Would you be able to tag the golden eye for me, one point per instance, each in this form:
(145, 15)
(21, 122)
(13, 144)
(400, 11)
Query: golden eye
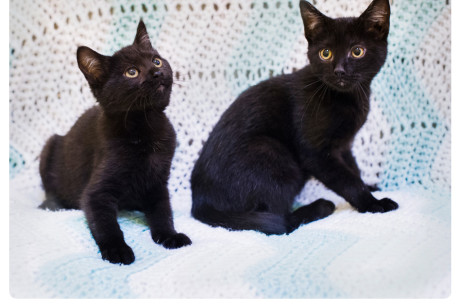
(357, 52)
(157, 62)
(325, 54)
(131, 73)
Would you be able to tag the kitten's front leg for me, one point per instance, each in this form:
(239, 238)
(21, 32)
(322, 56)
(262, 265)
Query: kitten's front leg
(350, 161)
(157, 209)
(100, 207)
(337, 176)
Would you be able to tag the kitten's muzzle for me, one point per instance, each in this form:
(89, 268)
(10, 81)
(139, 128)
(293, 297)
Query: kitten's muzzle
(340, 81)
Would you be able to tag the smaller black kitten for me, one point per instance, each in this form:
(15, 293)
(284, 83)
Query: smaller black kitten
(118, 154)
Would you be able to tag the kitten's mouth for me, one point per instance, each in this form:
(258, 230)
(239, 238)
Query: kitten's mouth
(341, 85)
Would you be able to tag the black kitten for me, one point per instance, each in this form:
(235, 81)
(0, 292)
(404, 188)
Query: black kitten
(283, 131)
(118, 154)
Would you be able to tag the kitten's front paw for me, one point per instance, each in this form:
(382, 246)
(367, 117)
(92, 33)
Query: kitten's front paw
(171, 241)
(379, 206)
(120, 254)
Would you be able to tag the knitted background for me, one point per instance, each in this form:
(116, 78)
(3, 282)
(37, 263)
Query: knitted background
(217, 49)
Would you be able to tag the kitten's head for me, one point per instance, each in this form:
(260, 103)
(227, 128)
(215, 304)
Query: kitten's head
(134, 78)
(346, 52)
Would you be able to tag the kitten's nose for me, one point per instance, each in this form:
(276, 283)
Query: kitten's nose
(157, 74)
(339, 71)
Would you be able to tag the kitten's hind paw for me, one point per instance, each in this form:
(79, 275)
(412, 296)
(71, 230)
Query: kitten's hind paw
(51, 204)
(121, 254)
(379, 206)
(373, 188)
(171, 241)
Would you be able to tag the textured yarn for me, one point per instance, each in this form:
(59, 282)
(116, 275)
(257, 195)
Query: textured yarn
(217, 49)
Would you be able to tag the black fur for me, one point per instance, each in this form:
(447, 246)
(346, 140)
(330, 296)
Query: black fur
(285, 130)
(118, 154)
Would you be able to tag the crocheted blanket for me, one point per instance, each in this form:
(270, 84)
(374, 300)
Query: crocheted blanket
(217, 49)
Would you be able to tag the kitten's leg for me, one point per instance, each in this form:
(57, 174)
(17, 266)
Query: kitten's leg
(350, 160)
(157, 209)
(100, 207)
(47, 160)
(50, 175)
(336, 175)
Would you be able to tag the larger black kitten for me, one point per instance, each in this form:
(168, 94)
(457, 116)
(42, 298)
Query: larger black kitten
(283, 131)
(118, 154)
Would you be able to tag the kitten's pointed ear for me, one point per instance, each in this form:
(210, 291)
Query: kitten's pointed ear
(142, 37)
(312, 19)
(92, 64)
(376, 18)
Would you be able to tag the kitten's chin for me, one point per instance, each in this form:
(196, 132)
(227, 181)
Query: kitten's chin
(341, 85)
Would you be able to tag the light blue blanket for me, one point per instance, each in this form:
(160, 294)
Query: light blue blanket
(218, 50)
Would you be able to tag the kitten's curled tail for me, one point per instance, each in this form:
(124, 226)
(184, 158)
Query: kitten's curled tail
(265, 222)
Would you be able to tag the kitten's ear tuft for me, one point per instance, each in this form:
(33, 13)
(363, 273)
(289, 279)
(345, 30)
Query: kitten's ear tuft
(142, 37)
(92, 64)
(376, 18)
(312, 19)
